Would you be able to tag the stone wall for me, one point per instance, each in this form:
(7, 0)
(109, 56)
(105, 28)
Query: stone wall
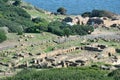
(59, 51)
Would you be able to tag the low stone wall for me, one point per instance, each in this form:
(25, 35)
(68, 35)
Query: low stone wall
(95, 47)
(60, 51)
(92, 48)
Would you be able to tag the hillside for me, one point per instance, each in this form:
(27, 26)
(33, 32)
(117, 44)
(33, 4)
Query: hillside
(14, 17)
(37, 12)
(36, 44)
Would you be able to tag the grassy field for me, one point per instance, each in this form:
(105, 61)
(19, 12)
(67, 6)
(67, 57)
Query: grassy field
(35, 12)
(82, 73)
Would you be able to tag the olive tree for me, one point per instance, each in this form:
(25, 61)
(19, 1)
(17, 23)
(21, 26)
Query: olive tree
(61, 10)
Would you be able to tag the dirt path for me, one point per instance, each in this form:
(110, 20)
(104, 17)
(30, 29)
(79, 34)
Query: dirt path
(7, 45)
(3, 74)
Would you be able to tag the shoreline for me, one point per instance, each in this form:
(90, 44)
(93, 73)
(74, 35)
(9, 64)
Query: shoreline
(116, 15)
(79, 12)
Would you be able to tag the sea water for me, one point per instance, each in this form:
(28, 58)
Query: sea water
(77, 6)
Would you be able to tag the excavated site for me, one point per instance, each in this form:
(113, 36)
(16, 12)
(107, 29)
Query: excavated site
(57, 52)
(101, 48)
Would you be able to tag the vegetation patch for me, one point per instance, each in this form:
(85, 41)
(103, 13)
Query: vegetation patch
(3, 36)
(85, 73)
(98, 13)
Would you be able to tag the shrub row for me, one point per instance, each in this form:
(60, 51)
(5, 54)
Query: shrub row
(62, 74)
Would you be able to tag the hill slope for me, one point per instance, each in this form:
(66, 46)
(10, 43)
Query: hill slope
(13, 16)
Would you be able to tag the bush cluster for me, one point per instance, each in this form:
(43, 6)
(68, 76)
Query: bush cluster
(19, 21)
(61, 10)
(3, 36)
(63, 29)
(62, 74)
(115, 74)
(98, 13)
(14, 17)
(59, 28)
(39, 25)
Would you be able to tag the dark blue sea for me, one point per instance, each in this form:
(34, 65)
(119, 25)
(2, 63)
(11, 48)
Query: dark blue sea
(77, 6)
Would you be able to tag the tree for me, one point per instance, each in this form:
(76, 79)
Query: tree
(86, 14)
(17, 3)
(61, 10)
(41, 24)
(3, 36)
(20, 30)
(82, 29)
(68, 19)
(99, 13)
(67, 32)
(54, 27)
(37, 20)
(33, 29)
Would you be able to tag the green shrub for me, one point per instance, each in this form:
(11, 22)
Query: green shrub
(13, 27)
(63, 29)
(33, 30)
(13, 17)
(68, 19)
(17, 3)
(37, 20)
(115, 74)
(42, 24)
(82, 29)
(61, 10)
(86, 14)
(98, 13)
(62, 74)
(67, 32)
(55, 27)
(3, 36)
(39, 25)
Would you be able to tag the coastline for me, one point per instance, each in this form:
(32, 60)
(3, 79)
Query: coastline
(77, 7)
